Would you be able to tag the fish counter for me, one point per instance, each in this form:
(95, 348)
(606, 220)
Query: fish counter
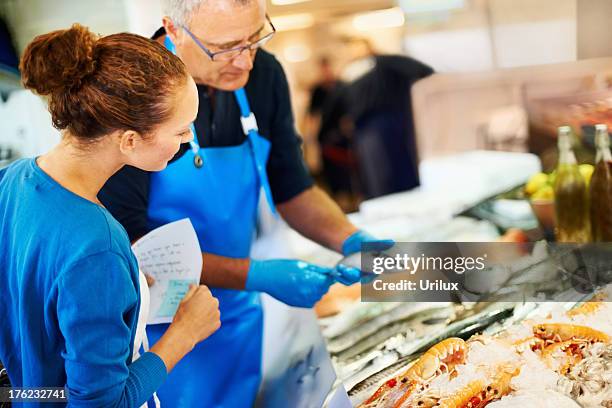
(465, 353)
(474, 355)
(468, 354)
(498, 353)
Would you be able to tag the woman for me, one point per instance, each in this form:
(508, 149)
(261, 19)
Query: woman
(70, 283)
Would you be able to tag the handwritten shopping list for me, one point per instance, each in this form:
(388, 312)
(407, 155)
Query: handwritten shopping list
(171, 255)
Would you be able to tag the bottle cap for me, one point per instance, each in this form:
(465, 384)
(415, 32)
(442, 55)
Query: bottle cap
(602, 138)
(564, 138)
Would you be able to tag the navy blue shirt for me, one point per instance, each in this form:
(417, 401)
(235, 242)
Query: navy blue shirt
(218, 124)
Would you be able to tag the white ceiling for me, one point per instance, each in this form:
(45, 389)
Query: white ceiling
(326, 10)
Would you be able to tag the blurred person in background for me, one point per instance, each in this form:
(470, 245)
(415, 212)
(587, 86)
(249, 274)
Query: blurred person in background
(245, 142)
(325, 86)
(74, 303)
(330, 135)
(379, 103)
(320, 92)
(339, 164)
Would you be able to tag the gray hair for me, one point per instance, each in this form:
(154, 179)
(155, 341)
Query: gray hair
(180, 11)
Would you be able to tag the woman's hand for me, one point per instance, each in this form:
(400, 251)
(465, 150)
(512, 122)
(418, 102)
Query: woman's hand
(196, 319)
(198, 314)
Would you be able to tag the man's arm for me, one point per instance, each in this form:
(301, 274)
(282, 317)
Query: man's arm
(316, 216)
(223, 272)
(312, 213)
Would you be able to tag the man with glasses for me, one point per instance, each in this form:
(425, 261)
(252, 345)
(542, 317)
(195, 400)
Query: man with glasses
(244, 143)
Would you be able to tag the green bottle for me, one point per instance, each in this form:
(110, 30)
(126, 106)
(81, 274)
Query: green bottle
(572, 217)
(601, 188)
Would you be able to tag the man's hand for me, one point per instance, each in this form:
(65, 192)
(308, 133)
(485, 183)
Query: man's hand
(353, 243)
(296, 283)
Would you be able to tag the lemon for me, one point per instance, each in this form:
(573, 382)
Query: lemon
(544, 193)
(535, 183)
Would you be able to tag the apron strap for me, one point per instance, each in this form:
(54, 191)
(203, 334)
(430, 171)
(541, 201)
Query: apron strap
(249, 123)
(249, 127)
(169, 44)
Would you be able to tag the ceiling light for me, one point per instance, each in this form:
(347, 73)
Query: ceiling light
(287, 2)
(296, 53)
(393, 17)
(293, 21)
(429, 6)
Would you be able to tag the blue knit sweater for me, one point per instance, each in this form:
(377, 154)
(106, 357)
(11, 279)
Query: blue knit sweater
(69, 295)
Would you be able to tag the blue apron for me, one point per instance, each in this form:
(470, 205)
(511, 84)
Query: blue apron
(221, 199)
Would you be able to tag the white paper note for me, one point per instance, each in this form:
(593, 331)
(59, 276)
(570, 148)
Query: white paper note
(171, 255)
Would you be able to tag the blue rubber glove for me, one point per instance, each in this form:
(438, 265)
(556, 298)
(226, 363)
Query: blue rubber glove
(353, 243)
(293, 282)
(346, 275)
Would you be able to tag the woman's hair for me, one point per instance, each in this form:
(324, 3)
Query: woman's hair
(98, 85)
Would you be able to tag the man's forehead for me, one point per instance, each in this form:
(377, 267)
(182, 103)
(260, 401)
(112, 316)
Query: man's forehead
(228, 5)
(224, 21)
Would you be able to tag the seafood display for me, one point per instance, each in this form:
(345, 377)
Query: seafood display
(441, 358)
(522, 331)
(511, 361)
(389, 342)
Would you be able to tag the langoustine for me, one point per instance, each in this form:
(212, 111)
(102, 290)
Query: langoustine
(559, 332)
(477, 393)
(562, 356)
(441, 358)
(565, 342)
(529, 343)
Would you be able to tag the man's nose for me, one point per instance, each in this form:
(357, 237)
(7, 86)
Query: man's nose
(244, 60)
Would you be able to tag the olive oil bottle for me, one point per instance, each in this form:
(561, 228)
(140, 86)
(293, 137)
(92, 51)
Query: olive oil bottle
(571, 195)
(601, 188)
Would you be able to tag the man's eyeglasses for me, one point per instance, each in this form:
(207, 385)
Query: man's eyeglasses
(227, 55)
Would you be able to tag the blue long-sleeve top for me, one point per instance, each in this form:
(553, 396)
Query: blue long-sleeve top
(70, 295)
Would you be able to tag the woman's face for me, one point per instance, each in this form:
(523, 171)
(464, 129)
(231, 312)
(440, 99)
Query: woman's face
(154, 153)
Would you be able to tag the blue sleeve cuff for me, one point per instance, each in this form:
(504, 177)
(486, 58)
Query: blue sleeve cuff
(254, 276)
(155, 365)
(352, 244)
(147, 373)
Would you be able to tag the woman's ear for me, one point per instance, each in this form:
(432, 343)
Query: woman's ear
(128, 141)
